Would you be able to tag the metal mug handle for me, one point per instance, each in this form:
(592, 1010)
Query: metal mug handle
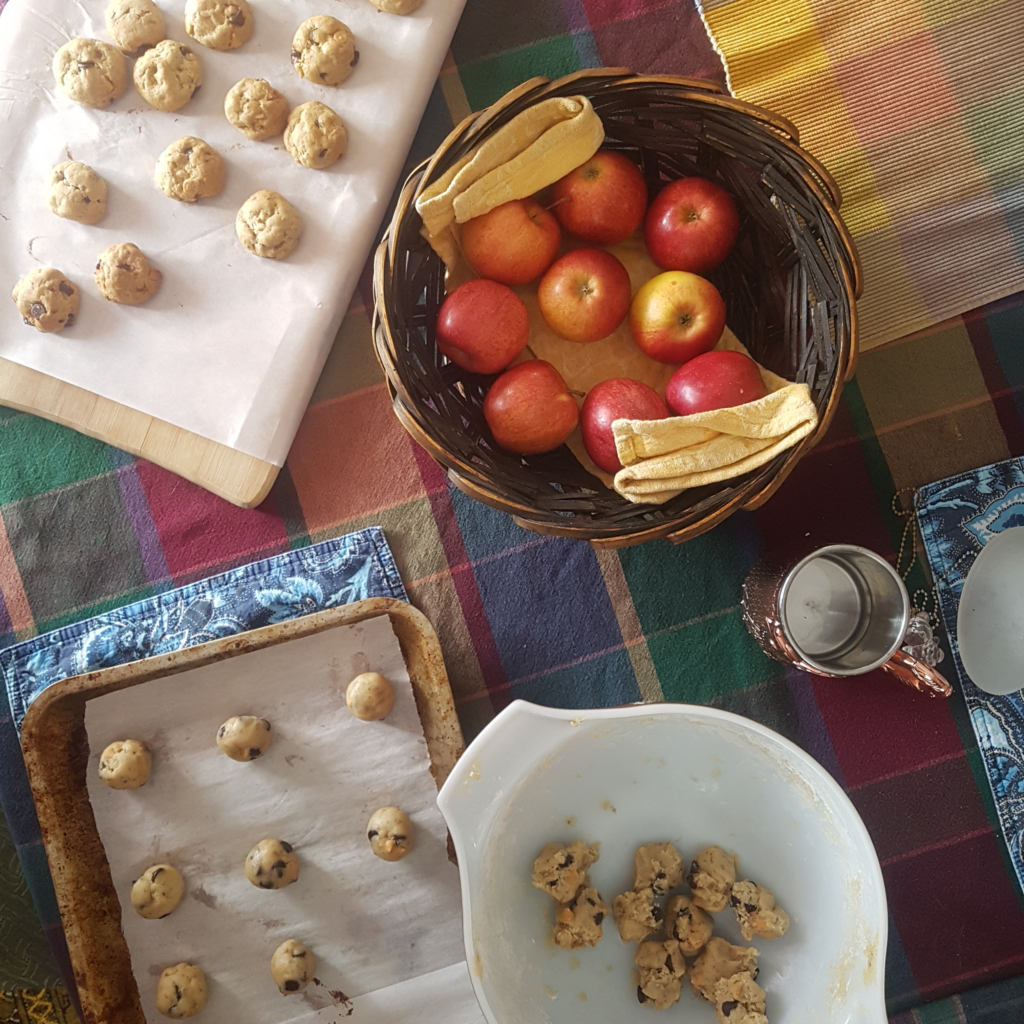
(917, 674)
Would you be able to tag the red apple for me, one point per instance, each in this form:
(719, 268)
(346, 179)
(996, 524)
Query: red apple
(584, 295)
(676, 316)
(715, 380)
(603, 200)
(514, 243)
(482, 326)
(611, 400)
(529, 409)
(691, 225)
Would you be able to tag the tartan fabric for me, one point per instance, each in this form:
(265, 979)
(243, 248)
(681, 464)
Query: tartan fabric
(915, 108)
(84, 529)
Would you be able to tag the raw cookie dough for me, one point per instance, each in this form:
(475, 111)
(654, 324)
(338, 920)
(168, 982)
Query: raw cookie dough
(244, 737)
(168, 75)
(578, 922)
(687, 923)
(756, 912)
(219, 24)
(256, 109)
(720, 959)
(268, 225)
(661, 966)
(636, 915)
(315, 136)
(292, 966)
(126, 764)
(47, 301)
(658, 866)
(370, 697)
(181, 991)
(77, 193)
(135, 23)
(123, 275)
(390, 833)
(396, 6)
(561, 870)
(90, 72)
(271, 864)
(711, 877)
(190, 169)
(739, 1000)
(157, 891)
(324, 50)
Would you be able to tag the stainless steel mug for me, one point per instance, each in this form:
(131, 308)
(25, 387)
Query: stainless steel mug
(840, 611)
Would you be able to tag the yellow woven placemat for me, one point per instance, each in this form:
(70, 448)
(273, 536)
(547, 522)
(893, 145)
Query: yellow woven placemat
(37, 1006)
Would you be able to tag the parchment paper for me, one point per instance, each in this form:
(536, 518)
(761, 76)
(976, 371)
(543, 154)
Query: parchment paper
(231, 346)
(387, 935)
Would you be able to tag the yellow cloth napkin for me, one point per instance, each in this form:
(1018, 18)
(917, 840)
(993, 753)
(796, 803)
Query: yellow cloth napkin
(661, 458)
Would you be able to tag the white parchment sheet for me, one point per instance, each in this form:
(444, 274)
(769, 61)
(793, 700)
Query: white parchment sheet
(387, 935)
(232, 345)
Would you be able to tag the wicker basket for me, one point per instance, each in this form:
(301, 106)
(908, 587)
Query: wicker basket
(789, 286)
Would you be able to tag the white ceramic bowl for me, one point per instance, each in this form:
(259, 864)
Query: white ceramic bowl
(626, 776)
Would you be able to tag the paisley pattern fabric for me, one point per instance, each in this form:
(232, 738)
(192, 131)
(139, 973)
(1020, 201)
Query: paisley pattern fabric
(958, 516)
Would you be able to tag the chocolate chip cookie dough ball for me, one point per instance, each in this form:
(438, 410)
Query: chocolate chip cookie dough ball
(168, 75)
(256, 109)
(76, 192)
(190, 169)
(756, 912)
(268, 225)
(315, 136)
(658, 866)
(126, 764)
(123, 275)
(661, 968)
(390, 832)
(292, 966)
(637, 915)
(133, 24)
(157, 891)
(90, 72)
(720, 959)
(271, 864)
(560, 870)
(244, 737)
(181, 991)
(687, 923)
(219, 24)
(46, 300)
(396, 6)
(370, 697)
(578, 923)
(324, 50)
(711, 877)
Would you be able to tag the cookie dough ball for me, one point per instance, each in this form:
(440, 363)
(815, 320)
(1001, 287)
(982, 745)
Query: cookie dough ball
(661, 967)
(391, 833)
(123, 275)
(578, 922)
(711, 877)
(272, 864)
(292, 966)
(396, 6)
(77, 193)
(181, 991)
(256, 109)
(268, 225)
(47, 301)
(133, 24)
(690, 925)
(636, 915)
(157, 891)
(658, 866)
(90, 72)
(561, 870)
(244, 737)
(324, 50)
(168, 75)
(370, 697)
(126, 764)
(739, 1000)
(720, 959)
(219, 24)
(315, 136)
(190, 169)
(756, 911)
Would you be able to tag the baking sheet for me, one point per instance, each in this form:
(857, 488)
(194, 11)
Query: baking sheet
(385, 935)
(231, 346)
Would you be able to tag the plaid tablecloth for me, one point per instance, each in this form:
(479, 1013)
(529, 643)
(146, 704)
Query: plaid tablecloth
(84, 528)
